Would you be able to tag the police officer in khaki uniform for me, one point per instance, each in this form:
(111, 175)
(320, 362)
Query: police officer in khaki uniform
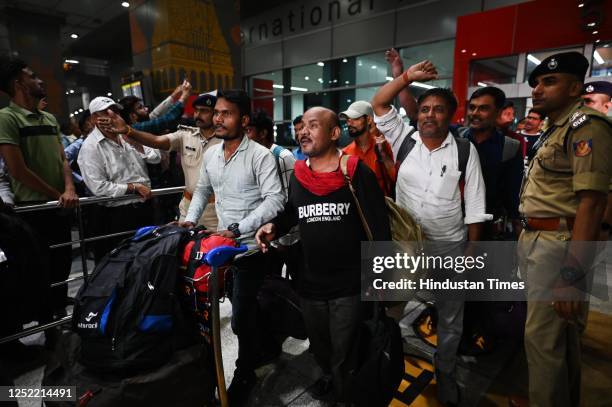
(598, 95)
(190, 142)
(563, 199)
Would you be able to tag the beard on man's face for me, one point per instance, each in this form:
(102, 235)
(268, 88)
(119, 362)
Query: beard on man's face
(355, 132)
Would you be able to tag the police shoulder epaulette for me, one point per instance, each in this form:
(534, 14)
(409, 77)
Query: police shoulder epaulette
(578, 119)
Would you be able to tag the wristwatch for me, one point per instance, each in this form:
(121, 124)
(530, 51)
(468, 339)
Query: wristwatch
(571, 274)
(234, 229)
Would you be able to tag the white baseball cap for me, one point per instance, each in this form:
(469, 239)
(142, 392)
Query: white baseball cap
(102, 103)
(358, 109)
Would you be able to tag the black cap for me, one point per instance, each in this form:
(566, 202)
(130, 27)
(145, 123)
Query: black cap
(598, 87)
(205, 99)
(573, 63)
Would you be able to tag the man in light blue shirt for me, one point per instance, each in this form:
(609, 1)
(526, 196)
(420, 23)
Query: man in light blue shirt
(248, 193)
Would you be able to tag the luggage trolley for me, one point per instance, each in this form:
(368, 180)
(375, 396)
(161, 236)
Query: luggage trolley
(216, 258)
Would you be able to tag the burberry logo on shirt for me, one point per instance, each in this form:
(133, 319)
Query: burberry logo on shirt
(323, 212)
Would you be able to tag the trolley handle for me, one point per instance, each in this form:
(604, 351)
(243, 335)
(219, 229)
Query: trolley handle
(223, 254)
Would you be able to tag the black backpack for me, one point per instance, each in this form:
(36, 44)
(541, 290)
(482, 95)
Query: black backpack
(376, 361)
(128, 314)
(186, 380)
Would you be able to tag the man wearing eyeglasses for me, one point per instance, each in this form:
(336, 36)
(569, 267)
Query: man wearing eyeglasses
(531, 132)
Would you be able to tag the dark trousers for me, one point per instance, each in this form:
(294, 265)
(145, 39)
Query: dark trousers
(332, 326)
(115, 219)
(291, 256)
(249, 273)
(52, 227)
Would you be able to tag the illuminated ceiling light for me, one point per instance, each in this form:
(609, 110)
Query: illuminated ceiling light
(335, 80)
(359, 63)
(388, 78)
(598, 58)
(320, 80)
(306, 78)
(274, 127)
(533, 59)
(74, 36)
(299, 89)
(278, 86)
(344, 60)
(591, 24)
(81, 110)
(595, 32)
(348, 100)
(482, 84)
(125, 4)
(580, 5)
(71, 114)
(473, 54)
(320, 64)
(422, 85)
(463, 51)
(274, 99)
(346, 82)
(597, 41)
(373, 66)
(71, 91)
(71, 61)
(67, 93)
(109, 94)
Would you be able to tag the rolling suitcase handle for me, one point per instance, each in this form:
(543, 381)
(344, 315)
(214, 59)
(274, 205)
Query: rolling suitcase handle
(215, 258)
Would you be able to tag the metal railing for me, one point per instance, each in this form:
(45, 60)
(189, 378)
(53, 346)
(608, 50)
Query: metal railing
(82, 241)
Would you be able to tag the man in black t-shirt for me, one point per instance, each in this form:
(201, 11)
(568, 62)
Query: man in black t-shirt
(321, 203)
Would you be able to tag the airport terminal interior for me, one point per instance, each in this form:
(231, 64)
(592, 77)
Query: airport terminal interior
(194, 195)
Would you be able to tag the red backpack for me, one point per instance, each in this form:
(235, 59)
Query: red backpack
(194, 252)
(196, 275)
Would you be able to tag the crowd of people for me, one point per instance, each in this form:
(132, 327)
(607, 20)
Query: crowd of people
(484, 181)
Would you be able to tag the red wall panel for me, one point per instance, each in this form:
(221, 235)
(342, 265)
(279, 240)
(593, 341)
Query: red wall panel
(525, 27)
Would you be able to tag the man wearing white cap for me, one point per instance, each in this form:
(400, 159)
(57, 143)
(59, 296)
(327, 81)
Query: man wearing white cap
(370, 145)
(112, 165)
(189, 142)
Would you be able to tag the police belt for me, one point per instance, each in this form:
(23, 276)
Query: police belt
(189, 196)
(546, 224)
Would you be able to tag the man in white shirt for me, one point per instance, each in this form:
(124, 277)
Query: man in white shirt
(112, 165)
(428, 186)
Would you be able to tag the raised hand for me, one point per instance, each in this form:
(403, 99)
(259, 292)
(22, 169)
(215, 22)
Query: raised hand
(423, 71)
(395, 60)
(185, 91)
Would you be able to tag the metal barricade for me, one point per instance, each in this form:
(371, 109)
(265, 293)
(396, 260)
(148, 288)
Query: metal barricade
(82, 241)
